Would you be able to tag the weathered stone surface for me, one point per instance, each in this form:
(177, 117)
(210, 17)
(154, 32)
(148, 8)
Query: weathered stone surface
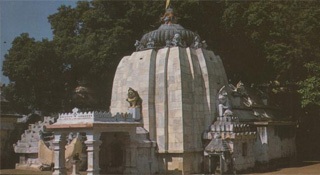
(176, 86)
(136, 71)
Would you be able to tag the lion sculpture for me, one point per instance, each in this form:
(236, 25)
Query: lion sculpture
(134, 99)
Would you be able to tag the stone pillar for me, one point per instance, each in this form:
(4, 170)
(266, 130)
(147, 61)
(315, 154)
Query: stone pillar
(131, 158)
(221, 164)
(75, 167)
(59, 144)
(210, 165)
(93, 143)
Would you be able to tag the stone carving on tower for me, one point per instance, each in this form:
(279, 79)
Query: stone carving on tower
(177, 41)
(197, 42)
(204, 44)
(150, 43)
(241, 94)
(138, 45)
(223, 102)
(241, 89)
(134, 99)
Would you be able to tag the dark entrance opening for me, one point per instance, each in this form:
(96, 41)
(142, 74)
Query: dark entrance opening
(214, 164)
(112, 153)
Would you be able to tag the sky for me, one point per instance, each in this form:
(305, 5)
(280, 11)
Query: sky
(26, 16)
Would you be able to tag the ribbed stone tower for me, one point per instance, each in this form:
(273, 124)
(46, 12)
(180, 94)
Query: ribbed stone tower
(178, 80)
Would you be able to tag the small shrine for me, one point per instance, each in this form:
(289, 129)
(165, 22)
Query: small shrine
(92, 125)
(247, 131)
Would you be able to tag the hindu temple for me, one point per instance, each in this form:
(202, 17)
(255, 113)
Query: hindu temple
(173, 111)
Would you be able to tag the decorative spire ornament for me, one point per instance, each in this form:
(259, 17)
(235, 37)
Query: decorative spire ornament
(167, 4)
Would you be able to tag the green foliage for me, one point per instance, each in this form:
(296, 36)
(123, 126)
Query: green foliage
(35, 72)
(310, 87)
(286, 32)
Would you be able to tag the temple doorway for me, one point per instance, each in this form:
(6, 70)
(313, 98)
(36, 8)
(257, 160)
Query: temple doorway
(112, 152)
(214, 166)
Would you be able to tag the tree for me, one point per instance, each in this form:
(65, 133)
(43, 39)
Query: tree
(285, 32)
(35, 75)
(310, 87)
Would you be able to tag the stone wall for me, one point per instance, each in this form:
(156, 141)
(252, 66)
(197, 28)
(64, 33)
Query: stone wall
(261, 145)
(244, 156)
(146, 153)
(270, 144)
(185, 163)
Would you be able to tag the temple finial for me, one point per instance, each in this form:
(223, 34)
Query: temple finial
(167, 4)
(168, 17)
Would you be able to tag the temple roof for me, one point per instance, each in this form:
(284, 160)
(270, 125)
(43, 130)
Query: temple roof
(169, 34)
(166, 32)
(217, 145)
(250, 104)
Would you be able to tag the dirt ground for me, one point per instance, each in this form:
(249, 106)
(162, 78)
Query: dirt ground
(309, 168)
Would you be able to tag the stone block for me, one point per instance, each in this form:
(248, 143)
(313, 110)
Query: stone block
(136, 113)
(176, 137)
(161, 142)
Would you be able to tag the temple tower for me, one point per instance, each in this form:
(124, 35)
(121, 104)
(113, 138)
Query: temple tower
(177, 79)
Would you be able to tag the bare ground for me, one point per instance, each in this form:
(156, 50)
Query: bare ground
(308, 168)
